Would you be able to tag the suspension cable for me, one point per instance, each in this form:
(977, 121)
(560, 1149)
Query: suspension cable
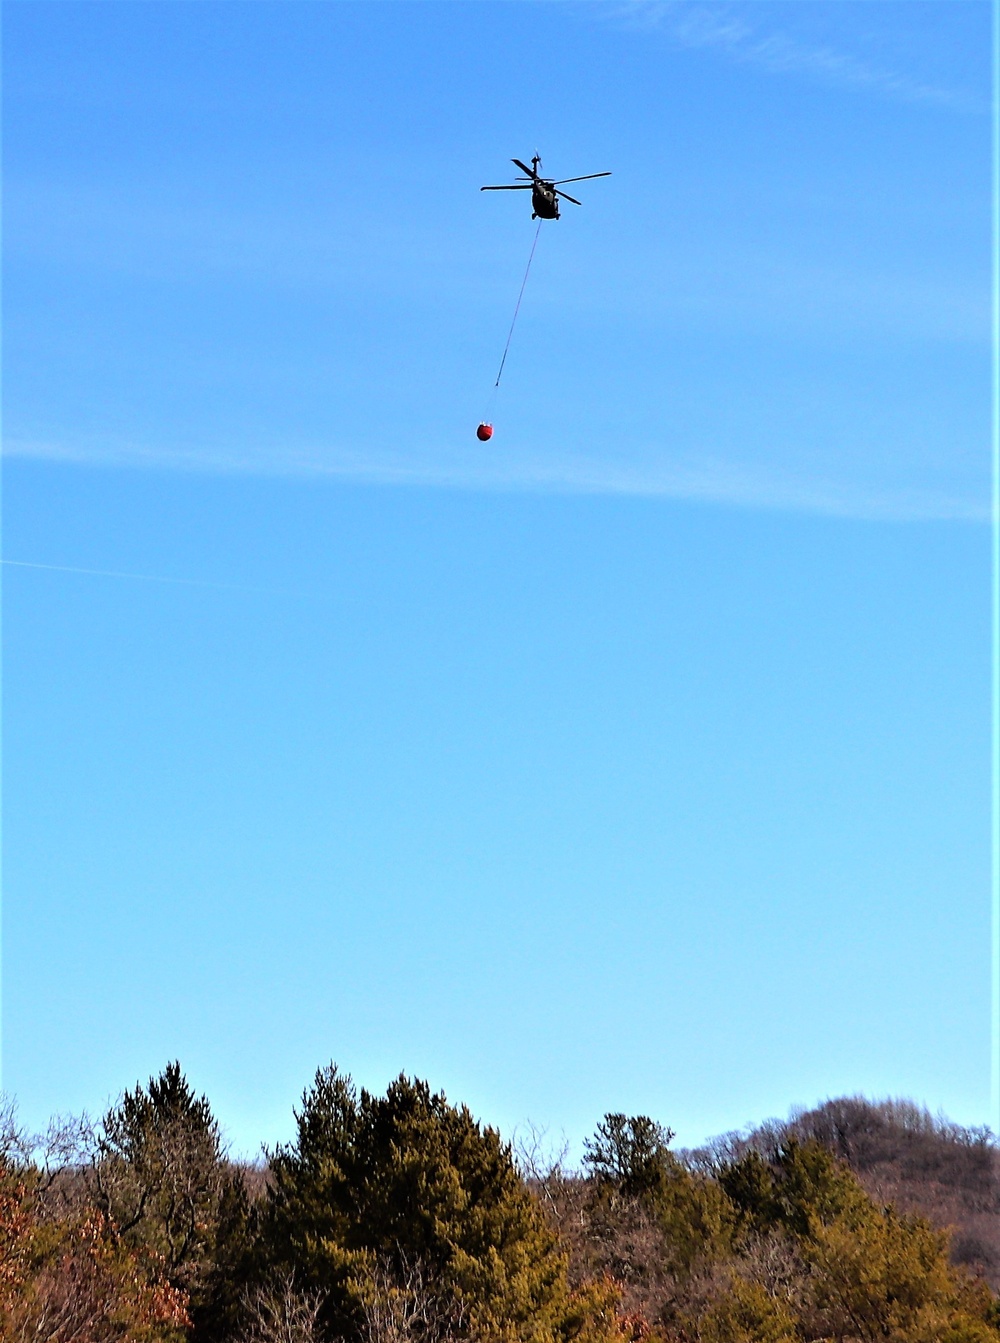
(517, 307)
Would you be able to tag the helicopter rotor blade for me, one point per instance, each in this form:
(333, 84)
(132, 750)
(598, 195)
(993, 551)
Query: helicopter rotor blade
(580, 179)
(524, 168)
(520, 186)
(569, 198)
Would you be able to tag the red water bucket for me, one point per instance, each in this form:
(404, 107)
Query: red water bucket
(484, 432)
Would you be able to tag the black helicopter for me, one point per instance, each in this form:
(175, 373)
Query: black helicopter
(544, 196)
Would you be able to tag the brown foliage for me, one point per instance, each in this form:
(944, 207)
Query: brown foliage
(70, 1280)
(903, 1156)
(829, 1228)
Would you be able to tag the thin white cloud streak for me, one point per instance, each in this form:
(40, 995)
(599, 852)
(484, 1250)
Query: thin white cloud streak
(707, 479)
(146, 578)
(779, 52)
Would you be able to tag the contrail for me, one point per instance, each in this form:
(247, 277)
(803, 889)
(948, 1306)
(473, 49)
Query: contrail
(147, 578)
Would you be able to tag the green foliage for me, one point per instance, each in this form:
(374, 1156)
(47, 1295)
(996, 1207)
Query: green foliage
(629, 1153)
(868, 1273)
(694, 1217)
(217, 1311)
(400, 1219)
(376, 1189)
(878, 1275)
(595, 1315)
(159, 1175)
(801, 1187)
(748, 1314)
(633, 1171)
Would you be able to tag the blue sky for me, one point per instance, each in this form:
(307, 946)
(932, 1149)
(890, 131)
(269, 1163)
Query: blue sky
(638, 759)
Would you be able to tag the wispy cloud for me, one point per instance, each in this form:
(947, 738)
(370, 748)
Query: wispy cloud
(709, 478)
(170, 579)
(742, 35)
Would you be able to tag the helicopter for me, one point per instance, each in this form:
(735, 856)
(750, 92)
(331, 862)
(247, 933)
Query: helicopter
(544, 196)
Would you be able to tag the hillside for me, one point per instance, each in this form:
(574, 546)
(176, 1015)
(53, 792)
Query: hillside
(907, 1157)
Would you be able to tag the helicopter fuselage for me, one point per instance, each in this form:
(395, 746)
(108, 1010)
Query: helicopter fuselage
(545, 191)
(544, 201)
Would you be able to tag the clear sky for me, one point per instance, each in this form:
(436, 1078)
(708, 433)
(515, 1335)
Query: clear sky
(638, 759)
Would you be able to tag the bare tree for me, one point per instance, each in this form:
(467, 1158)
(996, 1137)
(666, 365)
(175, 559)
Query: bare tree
(282, 1312)
(542, 1164)
(405, 1306)
(63, 1157)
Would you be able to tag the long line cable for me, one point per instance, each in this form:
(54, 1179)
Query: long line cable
(517, 308)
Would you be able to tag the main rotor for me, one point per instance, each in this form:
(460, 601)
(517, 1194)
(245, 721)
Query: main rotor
(533, 179)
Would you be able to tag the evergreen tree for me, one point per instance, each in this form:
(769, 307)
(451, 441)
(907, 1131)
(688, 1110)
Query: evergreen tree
(866, 1273)
(630, 1154)
(159, 1175)
(802, 1186)
(875, 1274)
(635, 1178)
(747, 1313)
(377, 1191)
(229, 1272)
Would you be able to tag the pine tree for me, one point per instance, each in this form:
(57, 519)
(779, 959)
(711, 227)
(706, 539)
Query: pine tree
(406, 1193)
(159, 1174)
(635, 1178)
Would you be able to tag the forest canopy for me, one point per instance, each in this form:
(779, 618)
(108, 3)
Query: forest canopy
(400, 1218)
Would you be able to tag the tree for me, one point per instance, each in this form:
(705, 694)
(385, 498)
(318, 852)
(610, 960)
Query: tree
(878, 1275)
(802, 1186)
(228, 1275)
(376, 1188)
(69, 1279)
(654, 1221)
(159, 1174)
(630, 1154)
(747, 1313)
(865, 1273)
(278, 1312)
